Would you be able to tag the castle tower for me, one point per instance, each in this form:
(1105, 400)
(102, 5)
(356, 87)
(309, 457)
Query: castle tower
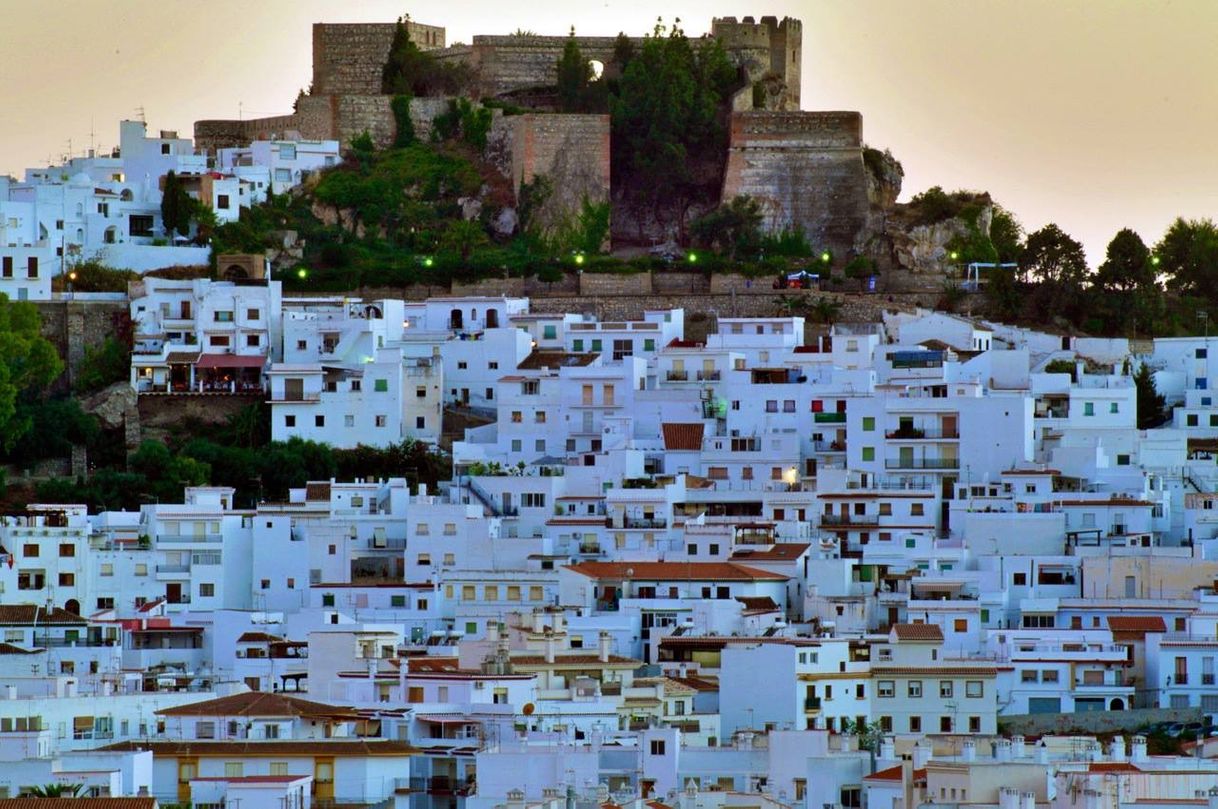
(768, 48)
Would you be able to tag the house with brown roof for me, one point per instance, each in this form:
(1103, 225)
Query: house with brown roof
(259, 715)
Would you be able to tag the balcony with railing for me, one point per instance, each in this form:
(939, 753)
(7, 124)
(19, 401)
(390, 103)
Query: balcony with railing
(811, 704)
(709, 376)
(922, 463)
(920, 434)
(188, 538)
(677, 376)
(847, 520)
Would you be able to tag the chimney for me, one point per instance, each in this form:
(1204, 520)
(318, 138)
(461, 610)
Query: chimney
(539, 620)
(1212, 798)
(1008, 798)
(682, 671)
(1027, 800)
(888, 749)
(1018, 748)
(1138, 749)
(603, 642)
(515, 799)
(921, 754)
(1042, 753)
(1002, 751)
(551, 646)
(559, 622)
(969, 750)
(492, 632)
(1117, 749)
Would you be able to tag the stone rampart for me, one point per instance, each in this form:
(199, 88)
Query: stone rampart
(348, 58)
(225, 134)
(572, 151)
(806, 169)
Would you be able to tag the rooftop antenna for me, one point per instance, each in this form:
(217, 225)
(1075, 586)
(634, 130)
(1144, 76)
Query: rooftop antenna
(239, 111)
(140, 112)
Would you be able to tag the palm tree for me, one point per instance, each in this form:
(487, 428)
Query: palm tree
(56, 791)
(825, 309)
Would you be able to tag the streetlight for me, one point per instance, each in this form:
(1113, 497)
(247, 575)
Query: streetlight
(579, 259)
(302, 273)
(826, 257)
(693, 258)
(71, 278)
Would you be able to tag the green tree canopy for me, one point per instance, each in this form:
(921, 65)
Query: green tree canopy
(411, 70)
(28, 363)
(1150, 401)
(574, 76)
(733, 228)
(1188, 256)
(1052, 255)
(1126, 266)
(1006, 234)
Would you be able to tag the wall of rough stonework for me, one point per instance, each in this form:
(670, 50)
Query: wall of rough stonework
(805, 168)
(224, 134)
(72, 326)
(572, 151)
(348, 57)
(592, 283)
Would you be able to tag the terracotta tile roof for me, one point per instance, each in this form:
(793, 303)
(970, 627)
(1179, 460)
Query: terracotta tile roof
(554, 359)
(683, 435)
(568, 660)
(672, 686)
(945, 670)
(698, 683)
(890, 774)
(674, 571)
(1136, 623)
(258, 637)
(757, 603)
(782, 552)
(255, 779)
(317, 491)
(918, 632)
(1112, 766)
(10, 649)
(291, 747)
(31, 614)
(77, 803)
(149, 606)
(257, 703)
(429, 663)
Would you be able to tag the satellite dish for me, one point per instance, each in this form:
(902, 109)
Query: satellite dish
(528, 709)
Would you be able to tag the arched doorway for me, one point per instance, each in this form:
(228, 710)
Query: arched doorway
(235, 272)
(1117, 704)
(455, 319)
(372, 312)
(492, 318)
(72, 606)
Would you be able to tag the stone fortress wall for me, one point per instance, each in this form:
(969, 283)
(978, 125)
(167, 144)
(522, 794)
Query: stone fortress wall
(806, 168)
(777, 157)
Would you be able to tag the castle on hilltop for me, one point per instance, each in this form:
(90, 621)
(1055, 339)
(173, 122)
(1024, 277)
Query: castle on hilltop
(806, 168)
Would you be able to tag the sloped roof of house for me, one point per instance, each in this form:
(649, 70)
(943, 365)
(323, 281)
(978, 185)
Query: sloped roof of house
(77, 803)
(1137, 623)
(555, 359)
(317, 491)
(918, 632)
(890, 774)
(757, 604)
(782, 552)
(10, 649)
(31, 614)
(680, 435)
(258, 637)
(290, 747)
(674, 571)
(259, 703)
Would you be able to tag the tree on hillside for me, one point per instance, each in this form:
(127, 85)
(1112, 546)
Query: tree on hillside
(410, 70)
(574, 76)
(56, 791)
(1150, 401)
(666, 115)
(1127, 282)
(1006, 234)
(177, 207)
(1051, 255)
(28, 363)
(733, 228)
(1188, 256)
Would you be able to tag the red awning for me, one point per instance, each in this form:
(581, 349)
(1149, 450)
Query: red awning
(231, 361)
